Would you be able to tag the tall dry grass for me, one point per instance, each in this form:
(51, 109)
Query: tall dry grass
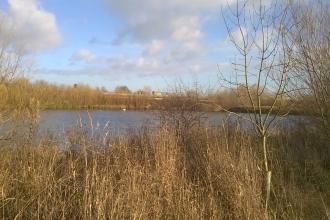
(211, 173)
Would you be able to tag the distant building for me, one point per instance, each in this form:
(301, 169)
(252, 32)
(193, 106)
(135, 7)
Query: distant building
(154, 93)
(159, 94)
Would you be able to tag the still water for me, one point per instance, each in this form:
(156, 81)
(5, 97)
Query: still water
(60, 123)
(120, 122)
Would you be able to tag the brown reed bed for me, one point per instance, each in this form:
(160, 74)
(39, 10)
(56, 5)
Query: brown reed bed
(201, 173)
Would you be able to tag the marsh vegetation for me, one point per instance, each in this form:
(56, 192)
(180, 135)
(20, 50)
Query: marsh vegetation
(187, 168)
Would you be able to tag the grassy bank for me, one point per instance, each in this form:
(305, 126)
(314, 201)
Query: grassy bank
(195, 173)
(158, 106)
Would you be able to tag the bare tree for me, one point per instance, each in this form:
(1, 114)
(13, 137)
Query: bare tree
(122, 89)
(181, 108)
(147, 90)
(310, 34)
(257, 32)
(10, 55)
(10, 63)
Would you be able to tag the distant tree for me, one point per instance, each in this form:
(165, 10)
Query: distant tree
(103, 89)
(122, 89)
(10, 59)
(147, 90)
(10, 63)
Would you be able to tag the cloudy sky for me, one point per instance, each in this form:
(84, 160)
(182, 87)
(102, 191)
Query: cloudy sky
(127, 42)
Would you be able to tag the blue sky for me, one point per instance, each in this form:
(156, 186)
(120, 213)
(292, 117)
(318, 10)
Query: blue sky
(127, 42)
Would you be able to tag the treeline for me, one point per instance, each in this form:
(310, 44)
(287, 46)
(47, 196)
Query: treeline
(51, 96)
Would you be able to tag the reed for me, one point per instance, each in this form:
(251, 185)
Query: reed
(209, 173)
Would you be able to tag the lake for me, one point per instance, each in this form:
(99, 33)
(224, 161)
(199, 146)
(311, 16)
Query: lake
(59, 121)
(118, 122)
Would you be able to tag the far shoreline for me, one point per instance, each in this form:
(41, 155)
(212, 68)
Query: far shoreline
(130, 109)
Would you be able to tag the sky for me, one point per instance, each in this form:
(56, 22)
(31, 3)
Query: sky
(106, 43)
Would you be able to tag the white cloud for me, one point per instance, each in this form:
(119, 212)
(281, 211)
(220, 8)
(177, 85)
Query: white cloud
(83, 55)
(170, 31)
(186, 29)
(157, 19)
(154, 48)
(29, 27)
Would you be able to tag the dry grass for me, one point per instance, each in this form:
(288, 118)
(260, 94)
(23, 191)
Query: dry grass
(210, 174)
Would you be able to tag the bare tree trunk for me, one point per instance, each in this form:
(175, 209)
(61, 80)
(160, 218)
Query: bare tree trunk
(268, 172)
(264, 147)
